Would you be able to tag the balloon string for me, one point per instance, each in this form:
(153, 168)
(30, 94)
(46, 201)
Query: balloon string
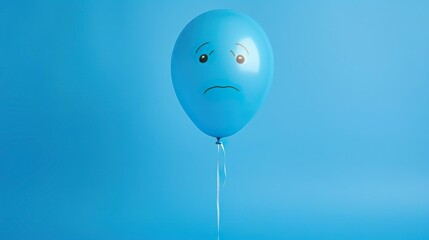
(218, 193)
(224, 163)
(218, 169)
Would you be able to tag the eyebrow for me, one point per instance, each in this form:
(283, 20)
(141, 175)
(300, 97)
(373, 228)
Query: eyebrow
(243, 47)
(201, 46)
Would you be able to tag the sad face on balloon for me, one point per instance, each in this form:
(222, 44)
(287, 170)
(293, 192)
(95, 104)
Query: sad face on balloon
(222, 67)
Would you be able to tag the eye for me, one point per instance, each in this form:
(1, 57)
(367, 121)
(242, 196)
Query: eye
(240, 59)
(204, 58)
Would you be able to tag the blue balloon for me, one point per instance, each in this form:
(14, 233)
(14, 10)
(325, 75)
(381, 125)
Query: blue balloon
(222, 67)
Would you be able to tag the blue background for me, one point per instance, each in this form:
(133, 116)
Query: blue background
(95, 145)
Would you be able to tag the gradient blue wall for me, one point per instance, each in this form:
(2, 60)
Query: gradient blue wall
(94, 144)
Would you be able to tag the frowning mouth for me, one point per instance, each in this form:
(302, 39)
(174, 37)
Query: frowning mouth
(210, 88)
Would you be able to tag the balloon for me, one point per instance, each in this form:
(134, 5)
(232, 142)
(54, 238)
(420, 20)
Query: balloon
(221, 67)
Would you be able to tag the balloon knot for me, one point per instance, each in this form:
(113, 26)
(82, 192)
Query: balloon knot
(218, 141)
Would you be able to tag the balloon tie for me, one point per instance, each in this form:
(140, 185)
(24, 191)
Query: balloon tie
(218, 169)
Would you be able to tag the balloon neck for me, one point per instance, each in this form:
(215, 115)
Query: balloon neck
(218, 141)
